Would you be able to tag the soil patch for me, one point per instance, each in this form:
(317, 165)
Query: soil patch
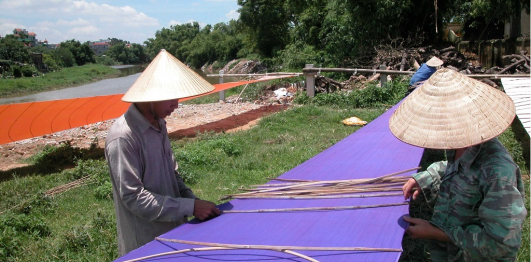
(186, 121)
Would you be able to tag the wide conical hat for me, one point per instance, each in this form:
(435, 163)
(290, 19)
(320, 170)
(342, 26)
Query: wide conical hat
(450, 111)
(434, 62)
(166, 78)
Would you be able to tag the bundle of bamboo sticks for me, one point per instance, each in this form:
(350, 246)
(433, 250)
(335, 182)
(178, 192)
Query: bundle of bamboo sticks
(385, 185)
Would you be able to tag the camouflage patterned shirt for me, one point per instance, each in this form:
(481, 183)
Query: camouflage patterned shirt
(479, 204)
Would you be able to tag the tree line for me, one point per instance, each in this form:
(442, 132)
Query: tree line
(288, 34)
(330, 33)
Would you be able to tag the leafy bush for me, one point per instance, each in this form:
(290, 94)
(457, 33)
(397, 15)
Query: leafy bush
(372, 96)
(52, 158)
(9, 244)
(104, 191)
(22, 224)
(77, 238)
(38, 204)
(105, 60)
(17, 72)
(27, 70)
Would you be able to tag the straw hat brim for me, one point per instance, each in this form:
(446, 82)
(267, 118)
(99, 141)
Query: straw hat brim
(166, 78)
(434, 62)
(451, 111)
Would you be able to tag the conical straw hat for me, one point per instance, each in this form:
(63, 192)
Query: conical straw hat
(451, 111)
(166, 78)
(434, 62)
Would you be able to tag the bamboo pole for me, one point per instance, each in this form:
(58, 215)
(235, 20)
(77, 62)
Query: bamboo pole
(311, 208)
(269, 247)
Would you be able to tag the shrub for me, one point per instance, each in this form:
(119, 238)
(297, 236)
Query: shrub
(372, 96)
(52, 158)
(22, 224)
(17, 72)
(27, 71)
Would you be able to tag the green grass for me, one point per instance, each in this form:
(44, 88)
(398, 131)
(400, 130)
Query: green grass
(79, 224)
(66, 77)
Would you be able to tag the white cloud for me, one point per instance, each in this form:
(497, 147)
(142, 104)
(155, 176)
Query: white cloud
(77, 22)
(94, 20)
(233, 14)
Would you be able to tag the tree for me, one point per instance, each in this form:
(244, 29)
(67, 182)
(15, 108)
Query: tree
(12, 49)
(63, 57)
(266, 25)
(82, 53)
(485, 19)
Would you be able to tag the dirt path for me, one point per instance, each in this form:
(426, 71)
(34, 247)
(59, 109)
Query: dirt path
(184, 122)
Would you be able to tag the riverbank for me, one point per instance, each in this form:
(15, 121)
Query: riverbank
(66, 77)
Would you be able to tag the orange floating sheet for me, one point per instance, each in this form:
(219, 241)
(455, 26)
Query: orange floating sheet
(26, 120)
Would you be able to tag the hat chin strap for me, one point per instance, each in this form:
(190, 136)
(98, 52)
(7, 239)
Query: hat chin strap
(155, 116)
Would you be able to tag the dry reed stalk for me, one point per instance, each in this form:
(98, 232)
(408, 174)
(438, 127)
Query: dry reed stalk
(357, 181)
(319, 196)
(268, 247)
(387, 179)
(315, 192)
(63, 188)
(305, 190)
(312, 208)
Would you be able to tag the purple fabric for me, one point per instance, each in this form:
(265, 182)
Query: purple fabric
(371, 151)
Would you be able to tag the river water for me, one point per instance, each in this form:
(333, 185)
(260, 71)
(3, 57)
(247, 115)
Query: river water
(119, 85)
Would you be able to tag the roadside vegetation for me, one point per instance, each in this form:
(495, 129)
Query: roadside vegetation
(63, 78)
(40, 224)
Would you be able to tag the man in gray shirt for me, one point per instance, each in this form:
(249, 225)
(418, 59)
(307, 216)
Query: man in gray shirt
(150, 197)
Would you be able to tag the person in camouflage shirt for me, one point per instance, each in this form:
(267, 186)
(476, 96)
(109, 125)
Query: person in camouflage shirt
(478, 194)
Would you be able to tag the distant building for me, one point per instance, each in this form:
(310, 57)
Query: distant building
(28, 38)
(101, 46)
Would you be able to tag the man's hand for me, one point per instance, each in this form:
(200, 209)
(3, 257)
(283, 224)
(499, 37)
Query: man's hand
(422, 229)
(204, 210)
(411, 188)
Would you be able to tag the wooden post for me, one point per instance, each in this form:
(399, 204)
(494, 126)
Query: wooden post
(383, 77)
(310, 82)
(221, 93)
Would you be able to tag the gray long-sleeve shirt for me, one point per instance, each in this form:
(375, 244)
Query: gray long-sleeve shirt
(150, 197)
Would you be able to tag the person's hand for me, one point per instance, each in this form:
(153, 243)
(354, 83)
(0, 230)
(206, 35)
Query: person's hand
(411, 188)
(422, 229)
(204, 210)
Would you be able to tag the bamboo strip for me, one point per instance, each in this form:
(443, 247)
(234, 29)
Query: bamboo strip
(337, 181)
(319, 197)
(279, 247)
(319, 193)
(210, 249)
(263, 186)
(311, 208)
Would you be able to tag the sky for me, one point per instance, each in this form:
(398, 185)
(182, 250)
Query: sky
(91, 20)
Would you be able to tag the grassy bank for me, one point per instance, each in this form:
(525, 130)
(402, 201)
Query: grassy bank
(66, 77)
(79, 224)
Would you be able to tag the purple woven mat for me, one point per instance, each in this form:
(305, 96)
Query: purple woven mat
(371, 151)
